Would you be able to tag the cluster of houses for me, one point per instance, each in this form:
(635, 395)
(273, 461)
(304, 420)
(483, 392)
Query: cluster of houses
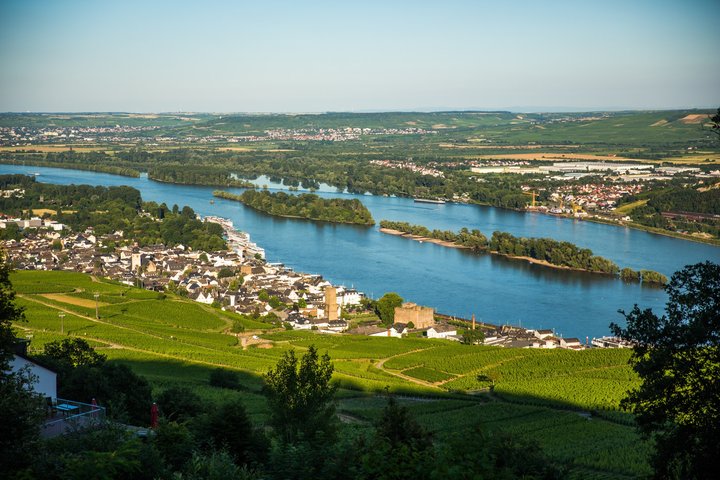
(408, 165)
(239, 280)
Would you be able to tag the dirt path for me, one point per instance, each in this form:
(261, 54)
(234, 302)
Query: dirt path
(417, 381)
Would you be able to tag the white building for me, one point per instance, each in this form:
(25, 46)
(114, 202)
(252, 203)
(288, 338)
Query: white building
(45, 380)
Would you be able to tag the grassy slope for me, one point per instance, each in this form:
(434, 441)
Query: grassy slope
(537, 393)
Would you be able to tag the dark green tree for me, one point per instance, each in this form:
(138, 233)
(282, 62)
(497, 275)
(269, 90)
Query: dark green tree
(473, 337)
(223, 378)
(179, 404)
(399, 448)
(385, 307)
(72, 352)
(677, 356)
(20, 409)
(715, 123)
(301, 397)
(228, 427)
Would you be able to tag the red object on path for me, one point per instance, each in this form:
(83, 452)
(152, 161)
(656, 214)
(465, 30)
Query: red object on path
(94, 408)
(154, 415)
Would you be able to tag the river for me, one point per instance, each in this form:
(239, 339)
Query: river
(453, 281)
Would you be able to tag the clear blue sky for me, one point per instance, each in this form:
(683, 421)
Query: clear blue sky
(292, 56)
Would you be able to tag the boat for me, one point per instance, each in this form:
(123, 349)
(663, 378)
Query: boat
(212, 202)
(428, 200)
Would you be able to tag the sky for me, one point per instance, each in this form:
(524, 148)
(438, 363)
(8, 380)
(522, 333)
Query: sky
(364, 55)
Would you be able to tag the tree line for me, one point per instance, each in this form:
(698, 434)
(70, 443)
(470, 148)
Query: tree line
(108, 210)
(306, 205)
(562, 254)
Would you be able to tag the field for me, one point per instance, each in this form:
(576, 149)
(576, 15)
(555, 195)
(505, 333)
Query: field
(568, 401)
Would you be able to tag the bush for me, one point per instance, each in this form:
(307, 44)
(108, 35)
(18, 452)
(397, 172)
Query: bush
(222, 378)
(179, 403)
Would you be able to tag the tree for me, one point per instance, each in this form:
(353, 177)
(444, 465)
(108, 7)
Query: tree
(223, 378)
(386, 307)
(229, 427)
(71, 353)
(715, 124)
(9, 313)
(473, 337)
(20, 409)
(399, 448)
(301, 399)
(677, 356)
(178, 404)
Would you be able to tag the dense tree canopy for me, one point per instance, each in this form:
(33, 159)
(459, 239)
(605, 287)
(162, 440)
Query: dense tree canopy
(385, 307)
(301, 397)
(111, 209)
(306, 205)
(677, 356)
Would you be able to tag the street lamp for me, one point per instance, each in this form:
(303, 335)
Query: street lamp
(62, 322)
(97, 313)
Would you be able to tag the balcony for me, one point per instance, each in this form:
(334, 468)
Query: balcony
(65, 416)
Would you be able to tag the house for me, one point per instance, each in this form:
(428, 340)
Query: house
(543, 334)
(441, 331)
(337, 325)
(45, 380)
(572, 343)
(387, 332)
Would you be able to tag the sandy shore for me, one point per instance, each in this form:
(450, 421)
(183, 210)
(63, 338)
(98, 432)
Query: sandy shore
(543, 263)
(418, 238)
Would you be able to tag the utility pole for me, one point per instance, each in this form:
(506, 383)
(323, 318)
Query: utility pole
(97, 313)
(62, 322)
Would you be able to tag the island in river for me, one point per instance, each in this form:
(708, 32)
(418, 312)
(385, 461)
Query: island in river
(307, 206)
(541, 251)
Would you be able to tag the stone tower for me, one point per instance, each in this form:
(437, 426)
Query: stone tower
(331, 306)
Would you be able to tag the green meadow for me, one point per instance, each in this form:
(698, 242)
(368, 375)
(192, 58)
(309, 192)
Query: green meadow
(568, 401)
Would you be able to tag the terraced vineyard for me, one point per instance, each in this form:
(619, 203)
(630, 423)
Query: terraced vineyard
(547, 395)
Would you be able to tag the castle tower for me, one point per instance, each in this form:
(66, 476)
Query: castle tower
(331, 306)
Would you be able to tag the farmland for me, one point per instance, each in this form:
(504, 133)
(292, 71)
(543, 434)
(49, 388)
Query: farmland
(548, 395)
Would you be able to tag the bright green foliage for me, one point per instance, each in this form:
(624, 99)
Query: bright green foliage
(629, 275)
(301, 398)
(306, 205)
(653, 278)
(386, 307)
(71, 353)
(563, 254)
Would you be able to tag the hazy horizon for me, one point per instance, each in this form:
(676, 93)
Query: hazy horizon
(287, 57)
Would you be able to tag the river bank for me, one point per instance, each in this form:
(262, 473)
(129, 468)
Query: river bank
(574, 303)
(535, 261)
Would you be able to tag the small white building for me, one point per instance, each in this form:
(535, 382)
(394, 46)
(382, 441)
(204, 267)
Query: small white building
(441, 331)
(45, 380)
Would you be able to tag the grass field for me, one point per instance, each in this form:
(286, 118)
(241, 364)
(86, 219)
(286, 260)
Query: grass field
(629, 207)
(546, 395)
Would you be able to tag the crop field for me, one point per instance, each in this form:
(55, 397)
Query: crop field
(567, 401)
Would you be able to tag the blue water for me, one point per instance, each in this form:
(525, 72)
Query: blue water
(455, 282)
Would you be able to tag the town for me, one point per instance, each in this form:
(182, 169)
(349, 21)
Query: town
(240, 280)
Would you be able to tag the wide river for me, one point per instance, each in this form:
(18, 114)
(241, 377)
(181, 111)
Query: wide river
(452, 281)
